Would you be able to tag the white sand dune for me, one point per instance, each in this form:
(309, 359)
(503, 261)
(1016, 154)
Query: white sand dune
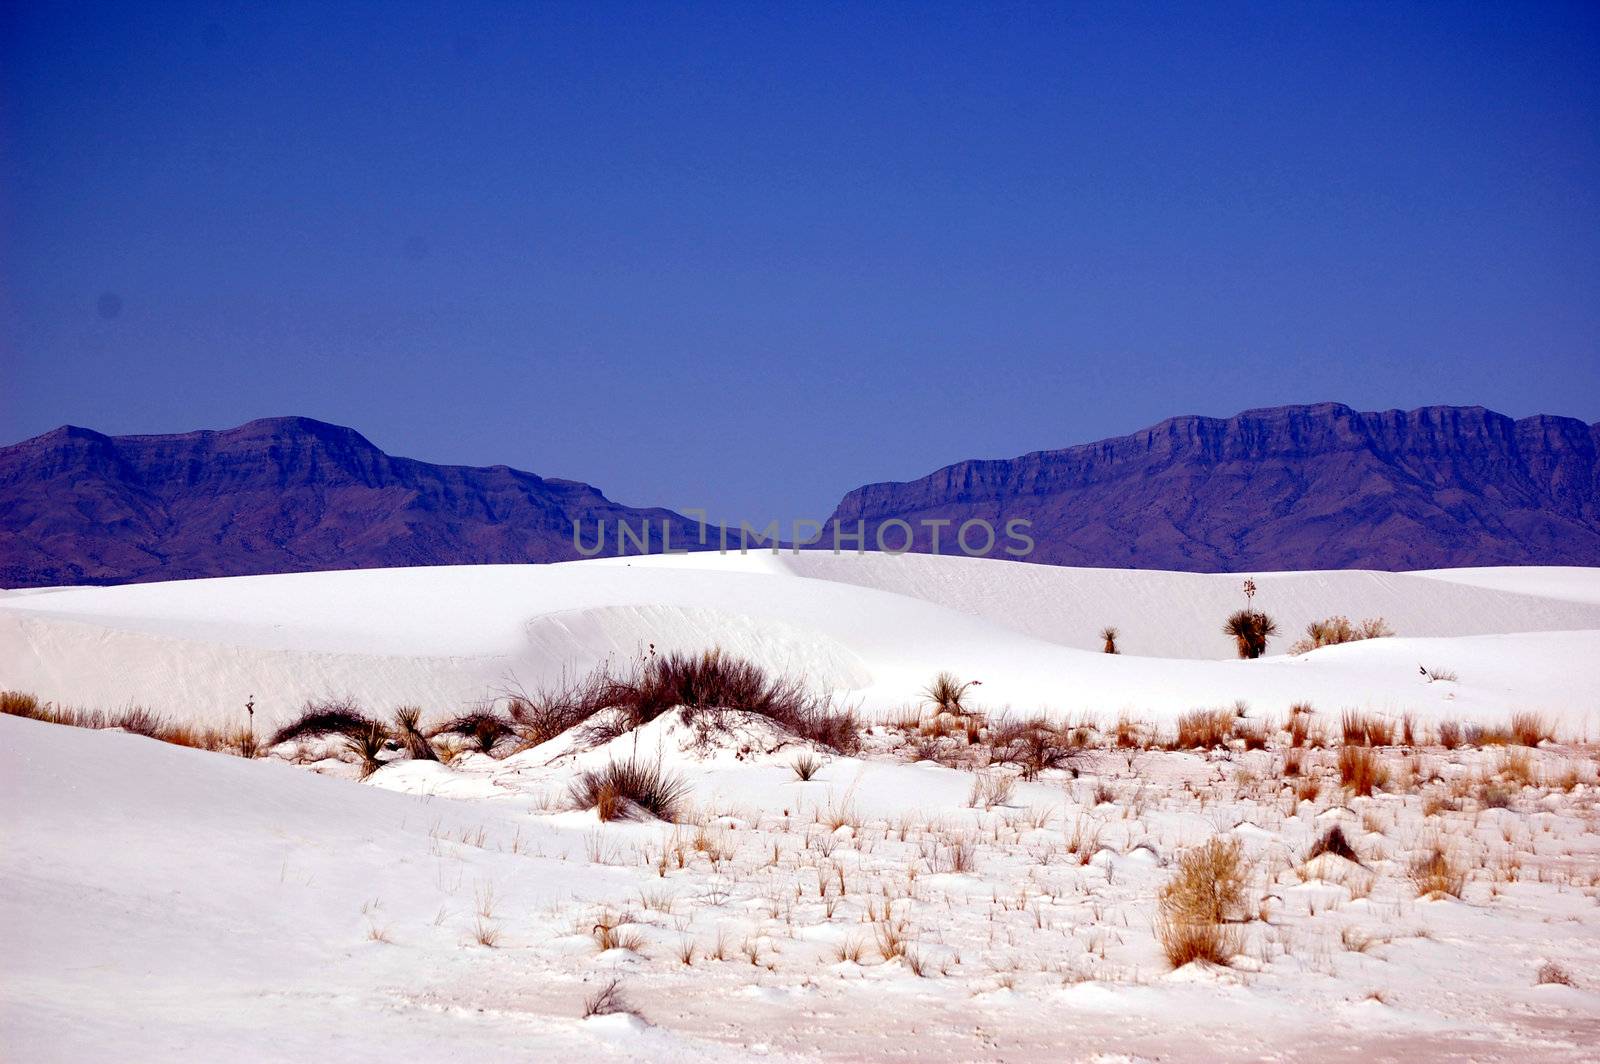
(873, 628)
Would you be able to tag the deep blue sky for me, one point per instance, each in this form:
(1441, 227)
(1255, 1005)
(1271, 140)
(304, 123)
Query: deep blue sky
(748, 258)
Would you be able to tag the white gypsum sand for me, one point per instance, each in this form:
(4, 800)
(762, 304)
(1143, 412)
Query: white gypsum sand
(927, 897)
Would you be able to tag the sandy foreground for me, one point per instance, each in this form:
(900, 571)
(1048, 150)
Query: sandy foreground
(925, 898)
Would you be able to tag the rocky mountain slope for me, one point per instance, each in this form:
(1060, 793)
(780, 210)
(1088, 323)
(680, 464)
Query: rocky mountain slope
(1298, 487)
(276, 495)
(1304, 487)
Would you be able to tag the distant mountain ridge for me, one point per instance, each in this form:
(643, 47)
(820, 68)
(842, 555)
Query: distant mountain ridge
(277, 495)
(1298, 487)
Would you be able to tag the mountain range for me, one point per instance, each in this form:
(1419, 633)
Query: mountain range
(1295, 487)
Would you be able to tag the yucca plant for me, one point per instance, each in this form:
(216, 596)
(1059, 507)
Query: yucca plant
(367, 743)
(1109, 634)
(1250, 630)
(946, 692)
(407, 721)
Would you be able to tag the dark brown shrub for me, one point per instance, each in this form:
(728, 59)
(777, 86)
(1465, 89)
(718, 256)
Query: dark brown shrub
(328, 717)
(626, 790)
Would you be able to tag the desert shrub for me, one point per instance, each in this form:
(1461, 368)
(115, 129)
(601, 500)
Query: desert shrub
(142, 721)
(1334, 842)
(1448, 675)
(1203, 729)
(1109, 635)
(626, 790)
(23, 704)
(367, 742)
(1552, 974)
(1194, 908)
(946, 693)
(1210, 882)
(1436, 874)
(1250, 630)
(990, 789)
(328, 717)
(1331, 631)
(1449, 734)
(1033, 745)
(1360, 770)
(606, 1001)
(1531, 729)
(407, 724)
(1375, 628)
(1184, 943)
(706, 683)
(483, 729)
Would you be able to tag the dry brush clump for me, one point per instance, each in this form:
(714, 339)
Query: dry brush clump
(1366, 729)
(1436, 874)
(1033, 745)
(1531, 729)
(136, 720)
(1361, 770)
(333, 716)
(1195, 909)
(707, 684)
(629, 790)
(607, 1001)
(482, 729)
(1331, 631)
(1204, 729)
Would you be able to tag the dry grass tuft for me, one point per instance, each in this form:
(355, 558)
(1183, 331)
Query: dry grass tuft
(1204, 729)
(1449, 734)
(1437, 875)
(1530, 729)
(1366, 729)
(23, 704)
(806, 765)
(1360, 770)
(626, 790)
